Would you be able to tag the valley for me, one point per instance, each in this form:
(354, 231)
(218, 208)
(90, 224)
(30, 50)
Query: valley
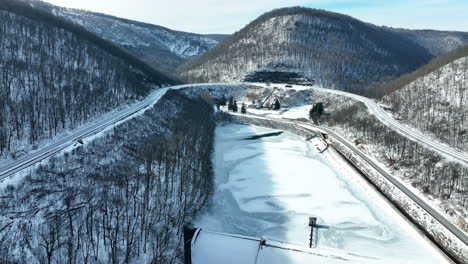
(305, 136)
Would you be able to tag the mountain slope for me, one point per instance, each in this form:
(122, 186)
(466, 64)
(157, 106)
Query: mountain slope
(56, 76)
(335, 50)
(435, 98)
(162, 48)
(436, 42)
(139, 184)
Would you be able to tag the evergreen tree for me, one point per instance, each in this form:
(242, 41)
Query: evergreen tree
(319, 108)
(231, 103)
(277, 105)
(243, 110)
(316, 111)
(234, 106)
(222, 101)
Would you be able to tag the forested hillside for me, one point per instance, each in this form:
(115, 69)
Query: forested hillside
(436, 42)
(435, 98)
(162, 48)
(122, 198)
(55, 76)
(335, 50)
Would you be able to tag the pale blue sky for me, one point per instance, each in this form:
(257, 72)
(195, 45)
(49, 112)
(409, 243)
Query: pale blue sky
(228, 16)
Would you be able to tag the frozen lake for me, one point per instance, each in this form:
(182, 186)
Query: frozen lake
(269, 187)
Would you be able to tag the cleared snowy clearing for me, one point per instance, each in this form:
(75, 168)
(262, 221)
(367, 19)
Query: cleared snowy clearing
(270, 186)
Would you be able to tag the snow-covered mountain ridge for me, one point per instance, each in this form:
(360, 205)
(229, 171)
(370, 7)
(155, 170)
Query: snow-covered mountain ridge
(337, 51)
(182, 44)
(57, 76)
(161, 47)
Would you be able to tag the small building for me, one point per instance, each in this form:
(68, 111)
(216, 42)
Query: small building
(319, 143)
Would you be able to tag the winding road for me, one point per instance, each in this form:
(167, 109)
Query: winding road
(13, 167)
(8, 169)
(410, 133)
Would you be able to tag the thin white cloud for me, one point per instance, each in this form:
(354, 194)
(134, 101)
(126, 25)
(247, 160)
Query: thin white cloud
(227, 16)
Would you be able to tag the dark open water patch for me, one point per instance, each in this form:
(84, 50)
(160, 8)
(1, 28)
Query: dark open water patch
(264, 135)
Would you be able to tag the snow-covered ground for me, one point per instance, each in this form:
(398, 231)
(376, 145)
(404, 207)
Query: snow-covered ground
(270, 186)
(290, 113)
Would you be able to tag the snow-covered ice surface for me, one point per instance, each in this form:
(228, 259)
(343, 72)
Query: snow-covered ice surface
(270, 186)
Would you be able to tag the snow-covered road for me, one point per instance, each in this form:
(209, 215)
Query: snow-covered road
(408, 132)
(8, 169)
(270, 186)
